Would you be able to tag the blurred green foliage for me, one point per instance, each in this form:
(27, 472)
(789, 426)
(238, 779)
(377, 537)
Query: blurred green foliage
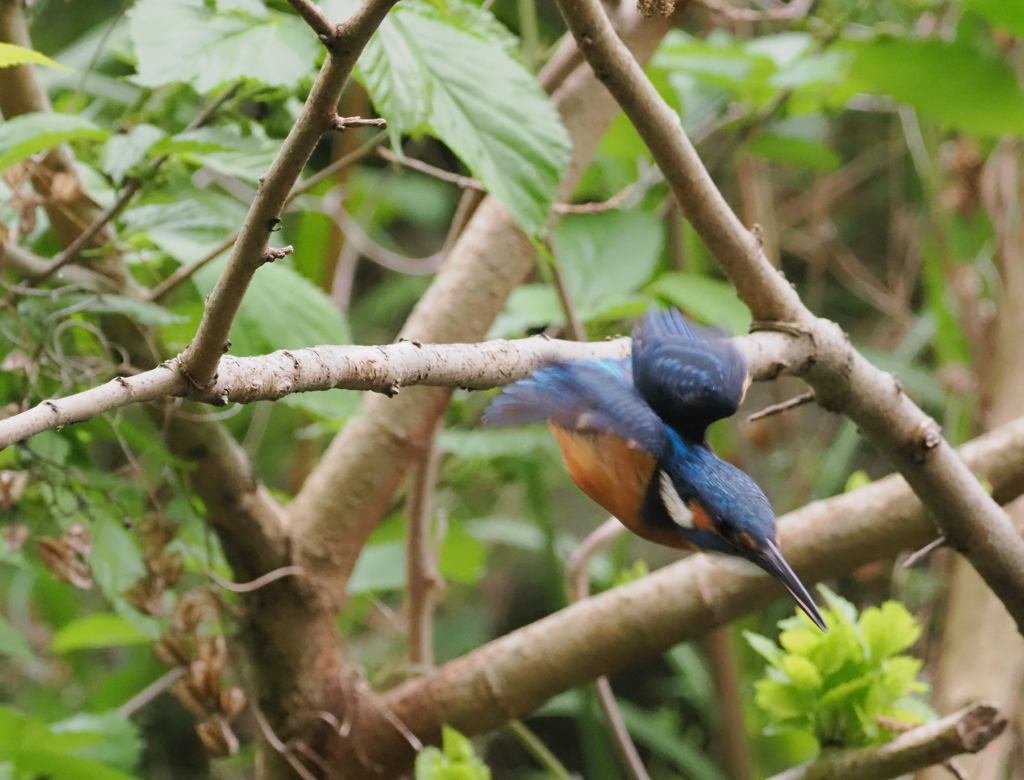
(861, 121)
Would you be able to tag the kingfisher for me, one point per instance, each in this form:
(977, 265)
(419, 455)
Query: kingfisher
(633, 434)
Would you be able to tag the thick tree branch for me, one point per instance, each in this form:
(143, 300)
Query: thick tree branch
(842, 379)
(514, 674)
(966, 731)
(199, 360)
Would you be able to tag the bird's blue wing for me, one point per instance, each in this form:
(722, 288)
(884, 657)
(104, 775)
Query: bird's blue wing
(690, 376)
(582, 396)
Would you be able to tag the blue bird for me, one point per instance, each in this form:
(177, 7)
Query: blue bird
(633, 436)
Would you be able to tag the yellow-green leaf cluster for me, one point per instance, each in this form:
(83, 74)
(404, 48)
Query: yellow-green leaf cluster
(836, 686)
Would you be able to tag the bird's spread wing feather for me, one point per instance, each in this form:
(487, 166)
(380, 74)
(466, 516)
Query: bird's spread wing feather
(690, 376)
(583, 396)
(610, 438)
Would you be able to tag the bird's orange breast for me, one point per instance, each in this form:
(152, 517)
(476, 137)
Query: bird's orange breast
(609, 470)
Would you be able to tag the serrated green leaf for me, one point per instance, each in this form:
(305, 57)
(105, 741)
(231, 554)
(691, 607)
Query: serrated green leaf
(11, 55)
(606, 257)
(188, 41)
(801, 641)
(951, 83)
(99, 630)
(23, 136)
(425, 74)
(888, 630)
(711, 301)
(12, 643)
(899, 677)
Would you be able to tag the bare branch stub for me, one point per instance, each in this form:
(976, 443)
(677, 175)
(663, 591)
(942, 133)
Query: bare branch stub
(346, 122)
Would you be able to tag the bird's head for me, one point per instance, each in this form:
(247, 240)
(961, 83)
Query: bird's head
(729, 514)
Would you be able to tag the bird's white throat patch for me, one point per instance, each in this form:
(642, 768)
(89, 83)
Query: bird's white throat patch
(677, 508)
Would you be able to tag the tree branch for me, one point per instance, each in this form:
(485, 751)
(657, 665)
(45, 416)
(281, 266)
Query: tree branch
(842, 379)
(514, 674)
(966, 731)
(199, 360)
(352, 487)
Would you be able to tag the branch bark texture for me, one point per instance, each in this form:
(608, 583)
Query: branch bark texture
(843, 380)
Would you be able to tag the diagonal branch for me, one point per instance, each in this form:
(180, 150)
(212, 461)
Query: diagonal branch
(200, 358)
(842, 379)
(514, 674)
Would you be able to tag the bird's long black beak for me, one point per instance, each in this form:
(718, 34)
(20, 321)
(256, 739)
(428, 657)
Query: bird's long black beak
(770, 559)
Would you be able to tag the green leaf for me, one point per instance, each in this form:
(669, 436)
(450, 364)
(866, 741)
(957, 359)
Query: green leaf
(888, 629)
(801, 673)
(949, 82)
(1007, 15)
(140, 311)
(764, 647)
(12, 643)
(189, 41)
(124, 151)
(425, 74)
(11, 55)
(779, 699)
(121, 745)
(379, 567)
(592, 250)
(455, 761)
(711, 301)
(488, 444)
(99, 630)
(795, 151)
(857, 480)
(462, 556)
(23, 136)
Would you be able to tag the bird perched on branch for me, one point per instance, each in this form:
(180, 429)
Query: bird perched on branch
(632, 433)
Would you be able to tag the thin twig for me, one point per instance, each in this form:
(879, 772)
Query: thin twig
(316, 19)
(577, 587)
(465, 182)
(338, 165)
(422, 578)
(275, 742)
(185, 272)
(259, 582)
(348, 122)
(929, 548)
(151, 691)
(574, 325)
(783, 406)
(538, 749)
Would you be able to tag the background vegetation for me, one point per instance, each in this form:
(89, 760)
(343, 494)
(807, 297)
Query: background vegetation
(873, 144)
